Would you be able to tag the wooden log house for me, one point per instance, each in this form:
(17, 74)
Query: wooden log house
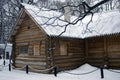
(33, 45)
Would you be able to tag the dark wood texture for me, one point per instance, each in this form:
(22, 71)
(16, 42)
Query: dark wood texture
(75, 53)
(104, 50)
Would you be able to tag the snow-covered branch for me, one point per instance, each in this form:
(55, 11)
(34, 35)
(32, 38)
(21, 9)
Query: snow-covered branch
(78, 8)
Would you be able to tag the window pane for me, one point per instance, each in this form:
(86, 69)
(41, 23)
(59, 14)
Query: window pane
(63, 49)
(23, 49)
(36, 49)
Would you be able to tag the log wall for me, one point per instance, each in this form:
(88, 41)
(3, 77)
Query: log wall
(75, 53)
(95, 53)
(29, 34)
(104, 50)
(113, 51)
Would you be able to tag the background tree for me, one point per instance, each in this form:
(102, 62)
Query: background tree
(9, 10)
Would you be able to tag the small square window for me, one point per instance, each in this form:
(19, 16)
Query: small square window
(63, 48)
(36, 49)
(23, 49)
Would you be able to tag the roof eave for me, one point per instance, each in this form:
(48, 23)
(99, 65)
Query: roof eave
(36, 23)
(15, 27)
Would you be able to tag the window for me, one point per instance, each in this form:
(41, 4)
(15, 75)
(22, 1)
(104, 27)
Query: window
(63, 48)
(7, 55)
(36, 49)
(23, 49)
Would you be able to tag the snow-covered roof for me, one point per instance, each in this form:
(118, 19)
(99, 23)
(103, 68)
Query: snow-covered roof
(7, 45)
(60, 0)
(102, 23)
(48, 20)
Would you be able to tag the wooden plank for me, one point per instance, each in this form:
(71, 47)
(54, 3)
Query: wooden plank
(30, 63)
(31, 59)
(73, 60)
(105, 49)
(17, 65)
(86, 49)
(69, 64)
(68, 57)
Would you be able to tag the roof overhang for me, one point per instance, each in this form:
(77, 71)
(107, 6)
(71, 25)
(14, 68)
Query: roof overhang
(17, 24)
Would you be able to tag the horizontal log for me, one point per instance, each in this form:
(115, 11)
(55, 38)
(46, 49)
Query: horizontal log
(95, 56)
(114, 60)
(62, 68)
(114, 64)
(29, 37)
(114, 55)
(32, 56)
(80, 55)
(75, 49)
(97, 64)
(76, 44)
(73, 60)
(69, 64)
(112, 40)
(17, 65)
(95, 61)
(95, 51)
(31, 59)
(24, 29)
(66, 57)
(30, 63)
(113, 48)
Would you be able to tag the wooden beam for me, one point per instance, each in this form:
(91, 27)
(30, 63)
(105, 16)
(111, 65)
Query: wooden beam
(105, 51)
(17, 27)
(86, 49)
(13, 56)
(14, 32)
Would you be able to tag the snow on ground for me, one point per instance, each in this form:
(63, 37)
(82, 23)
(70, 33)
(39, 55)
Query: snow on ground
(64, 75)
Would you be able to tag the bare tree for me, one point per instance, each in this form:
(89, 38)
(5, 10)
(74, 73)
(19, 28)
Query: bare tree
(9, 10)
(82, 9)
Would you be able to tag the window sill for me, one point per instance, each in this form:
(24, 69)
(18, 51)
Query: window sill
(23, 55)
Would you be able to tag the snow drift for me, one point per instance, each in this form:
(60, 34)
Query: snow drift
(21, 75)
